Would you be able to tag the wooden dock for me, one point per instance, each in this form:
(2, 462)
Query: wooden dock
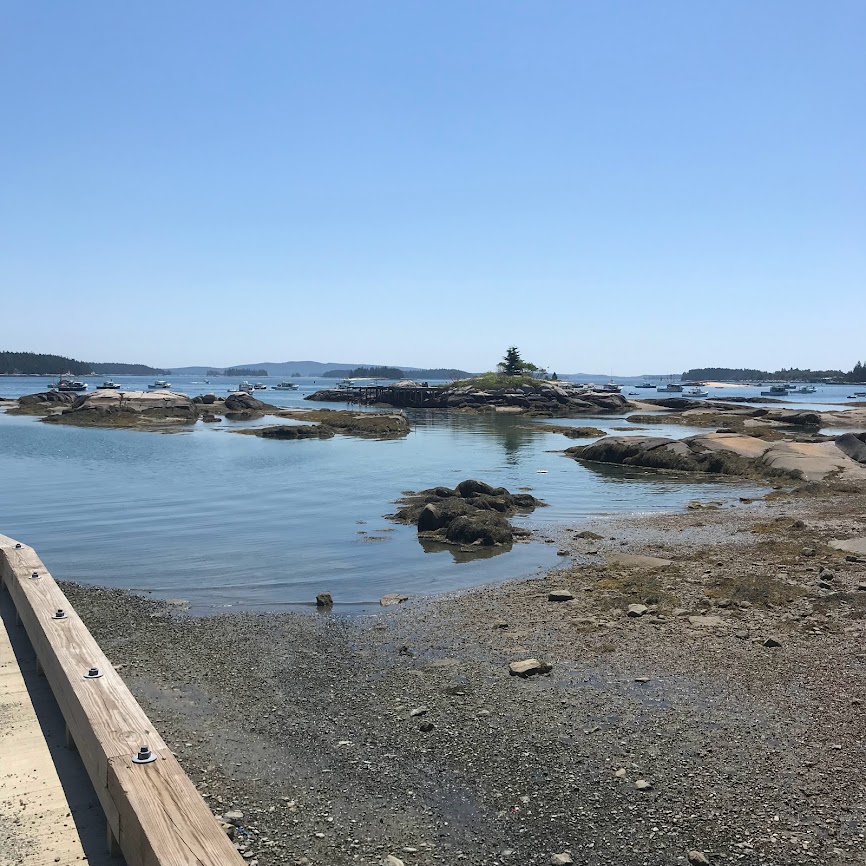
(152, 812)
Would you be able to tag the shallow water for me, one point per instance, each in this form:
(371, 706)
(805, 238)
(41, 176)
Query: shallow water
(227, 520)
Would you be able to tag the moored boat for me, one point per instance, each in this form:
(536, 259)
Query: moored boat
(697, 392)
(159, 385)
(671, 388)
(285, 386)
(67, 384)
(108, 385)
(776, 391)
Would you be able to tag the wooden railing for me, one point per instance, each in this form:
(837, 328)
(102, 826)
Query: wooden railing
(156, 816)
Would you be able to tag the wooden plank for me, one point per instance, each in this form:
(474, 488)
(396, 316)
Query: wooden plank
(153, 810)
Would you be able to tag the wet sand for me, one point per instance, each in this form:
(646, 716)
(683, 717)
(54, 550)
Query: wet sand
(347, 740)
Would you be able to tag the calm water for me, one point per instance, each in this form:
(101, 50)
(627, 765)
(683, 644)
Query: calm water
(236, 521)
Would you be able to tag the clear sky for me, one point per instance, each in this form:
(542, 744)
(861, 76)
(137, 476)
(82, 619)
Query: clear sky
(612, 186)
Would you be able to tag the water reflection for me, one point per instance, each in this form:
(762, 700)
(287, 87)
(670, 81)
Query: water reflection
(463, 553)
(515, 434)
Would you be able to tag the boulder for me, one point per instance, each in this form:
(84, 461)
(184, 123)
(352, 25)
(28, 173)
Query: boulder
(471, 487)
(392, 598)
(324, 599)
(560, 595)
(636, 610)
(486, 528)
(854, 445)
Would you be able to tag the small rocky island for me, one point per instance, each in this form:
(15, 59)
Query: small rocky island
(473, 513)
(538, 398)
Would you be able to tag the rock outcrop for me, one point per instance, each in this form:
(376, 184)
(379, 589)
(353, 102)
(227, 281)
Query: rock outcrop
(472, 513)
(373, 425)
(128, 409)
(543, 399)
(727, 454)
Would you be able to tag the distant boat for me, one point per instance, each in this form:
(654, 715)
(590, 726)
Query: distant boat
(108, 385)
(285, 386)
(344, 383)
(246, 388)
(609, 388)
(66, 384)
(776, 391)
(697, 392)
(671, 388)
(807, 389)
(159, 385)
(646, 385)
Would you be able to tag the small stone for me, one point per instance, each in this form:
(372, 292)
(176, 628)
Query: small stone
(391, 860)
(643, 785)
(500, 624)
(723, 602)
(711, 621)
(742, 633)
(562, 552)
(635, 610)
(696, 858)
(772, 643)
(642, 679)
(562, 859)
(620, 773)
(233, 817)
(426, 727)
(808, 551)
(392, 598)
(528, 668)
(559, 595)
(419, 711)
(324, 599)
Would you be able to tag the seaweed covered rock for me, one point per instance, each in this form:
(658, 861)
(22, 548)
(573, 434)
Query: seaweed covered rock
(472, 513)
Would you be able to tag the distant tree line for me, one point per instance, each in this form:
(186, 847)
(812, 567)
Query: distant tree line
(242, 371)
(395, 373)
(33, 364)
(744, 374)
(365, 373)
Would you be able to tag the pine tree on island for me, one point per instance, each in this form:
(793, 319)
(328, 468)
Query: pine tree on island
(513, 365)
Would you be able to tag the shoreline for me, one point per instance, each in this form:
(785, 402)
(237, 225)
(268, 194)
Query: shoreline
(316, 727)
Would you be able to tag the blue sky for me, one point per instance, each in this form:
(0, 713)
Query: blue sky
(612, 186)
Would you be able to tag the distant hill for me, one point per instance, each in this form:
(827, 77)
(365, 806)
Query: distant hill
(33, 364)
(318, 368)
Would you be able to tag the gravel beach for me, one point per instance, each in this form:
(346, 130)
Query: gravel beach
(703, 703)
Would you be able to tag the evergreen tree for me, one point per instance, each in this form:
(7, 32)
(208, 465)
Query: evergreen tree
(512, 364)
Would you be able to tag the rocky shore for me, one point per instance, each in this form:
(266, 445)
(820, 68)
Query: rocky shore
(689, 689)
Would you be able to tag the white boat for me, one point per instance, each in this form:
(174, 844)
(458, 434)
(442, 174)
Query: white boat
(285, 386)
(807, 389)
(260, 387)
(671, 388)
(697, 392)
(159, 385)
(776, 391)
(243, 388)
(66, 384)
(344, 383)
(609, 388)
(108, 385)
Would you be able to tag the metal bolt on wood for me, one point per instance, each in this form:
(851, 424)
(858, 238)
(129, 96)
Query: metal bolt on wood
(143, 756)
(60, 613)
(93, 674)
(34, 576)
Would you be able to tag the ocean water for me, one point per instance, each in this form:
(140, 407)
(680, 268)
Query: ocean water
(238, 522)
